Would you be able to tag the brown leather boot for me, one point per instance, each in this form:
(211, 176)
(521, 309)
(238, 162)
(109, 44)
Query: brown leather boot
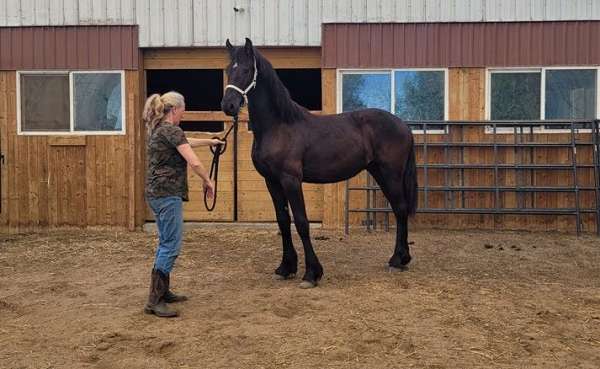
(158, 288)
(171, 297)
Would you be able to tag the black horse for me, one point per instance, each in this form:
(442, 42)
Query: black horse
(292, 146)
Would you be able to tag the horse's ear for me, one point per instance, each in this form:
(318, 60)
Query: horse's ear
(229, 46)
(248, 47)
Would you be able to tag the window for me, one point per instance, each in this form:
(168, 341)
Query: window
(570, 94)
(44, 102)
(419, 96)
(412, 95)
(366, 90)
(543, 94)
(515, 96)
(70, 102)
(97, 102)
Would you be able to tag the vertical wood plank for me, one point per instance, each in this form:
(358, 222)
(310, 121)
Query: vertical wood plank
(4, 175)
(98, 188)
(333, 194)
(10, 153)
(43, 181)
(33, 182)
(91, 182)
(108, 170)
(140, 148)
(131, 78)
(15, 197)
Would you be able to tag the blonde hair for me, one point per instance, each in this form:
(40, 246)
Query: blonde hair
(157, 107)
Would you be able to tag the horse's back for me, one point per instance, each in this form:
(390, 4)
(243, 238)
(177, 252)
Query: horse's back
(379, 120)
(340, 146)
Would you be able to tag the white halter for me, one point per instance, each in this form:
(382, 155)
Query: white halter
(250, 87)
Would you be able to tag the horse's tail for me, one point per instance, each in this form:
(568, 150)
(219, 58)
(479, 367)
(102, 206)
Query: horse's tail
(411, 191)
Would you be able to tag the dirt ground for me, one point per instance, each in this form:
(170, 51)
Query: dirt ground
(73, 299)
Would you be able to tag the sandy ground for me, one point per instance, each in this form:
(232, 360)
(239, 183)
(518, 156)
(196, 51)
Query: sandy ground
(73, 299)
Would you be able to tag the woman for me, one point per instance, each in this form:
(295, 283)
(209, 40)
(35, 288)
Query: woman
(169, 153)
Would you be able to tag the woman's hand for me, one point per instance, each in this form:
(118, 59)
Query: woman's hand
(209, 188)
(215, 142)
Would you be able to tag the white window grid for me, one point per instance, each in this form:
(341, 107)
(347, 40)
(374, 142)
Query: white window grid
(391, 72)
(542, 71)
(71, 131)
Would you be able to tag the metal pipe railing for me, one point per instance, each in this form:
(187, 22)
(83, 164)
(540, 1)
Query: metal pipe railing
(518, 167)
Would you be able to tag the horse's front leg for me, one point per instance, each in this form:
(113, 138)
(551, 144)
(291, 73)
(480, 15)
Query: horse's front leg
(289, 262)
(292, 188)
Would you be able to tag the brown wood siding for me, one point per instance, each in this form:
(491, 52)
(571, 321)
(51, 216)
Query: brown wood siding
(400, 45)
(69, 47)
(53, 181)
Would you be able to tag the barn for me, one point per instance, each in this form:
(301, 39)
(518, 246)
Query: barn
(502, 96)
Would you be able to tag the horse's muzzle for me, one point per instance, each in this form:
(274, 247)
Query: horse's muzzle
(230, 107)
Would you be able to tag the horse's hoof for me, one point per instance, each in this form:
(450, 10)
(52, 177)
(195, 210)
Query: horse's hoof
(279, 277)
(307, 284)
(394, 269)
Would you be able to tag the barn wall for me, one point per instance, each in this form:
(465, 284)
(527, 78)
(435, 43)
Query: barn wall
(166, 23)
(467, 49)
(54, 181)
(70, 180)
(467, 102)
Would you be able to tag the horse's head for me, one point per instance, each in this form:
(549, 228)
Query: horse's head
(241, 73)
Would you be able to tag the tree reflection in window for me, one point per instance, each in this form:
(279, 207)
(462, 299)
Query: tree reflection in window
(366, 90)
(420, 96)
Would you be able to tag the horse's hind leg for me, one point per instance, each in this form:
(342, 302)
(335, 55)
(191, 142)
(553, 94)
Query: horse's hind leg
(289, 262)
(292, 188)
(391, 185)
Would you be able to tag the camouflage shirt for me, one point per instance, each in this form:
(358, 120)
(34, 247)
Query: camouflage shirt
(167, 170)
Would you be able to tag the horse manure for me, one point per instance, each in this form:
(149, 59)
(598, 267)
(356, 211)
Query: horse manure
(411, 242)
(488, 246)
(500, 248)
(321, 238)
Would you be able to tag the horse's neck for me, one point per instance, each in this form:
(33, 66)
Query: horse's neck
(261, 110)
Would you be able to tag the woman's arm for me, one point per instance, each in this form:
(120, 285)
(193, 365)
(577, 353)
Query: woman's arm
(195, 142)
(188, 154)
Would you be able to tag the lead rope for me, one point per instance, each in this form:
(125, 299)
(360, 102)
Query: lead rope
(217, 151)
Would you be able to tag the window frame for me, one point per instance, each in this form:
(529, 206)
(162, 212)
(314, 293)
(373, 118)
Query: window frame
(392, 72)
(71, 131)
(542, 70)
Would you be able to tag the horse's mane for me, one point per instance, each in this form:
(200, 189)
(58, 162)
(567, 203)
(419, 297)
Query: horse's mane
(284, 107)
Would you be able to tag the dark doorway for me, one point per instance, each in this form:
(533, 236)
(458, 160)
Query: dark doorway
(202, 88)
(304, 86)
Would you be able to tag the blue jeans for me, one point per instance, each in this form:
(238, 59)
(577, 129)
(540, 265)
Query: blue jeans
(168, 212)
